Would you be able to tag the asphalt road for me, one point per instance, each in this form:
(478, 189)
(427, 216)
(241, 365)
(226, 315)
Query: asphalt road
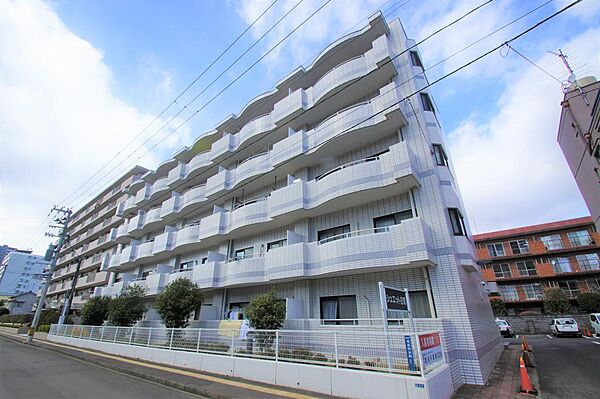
(31, 372)
(567, 367)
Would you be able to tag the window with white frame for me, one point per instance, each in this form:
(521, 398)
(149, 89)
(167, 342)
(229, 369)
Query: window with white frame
(552, 242)
(519, 247)
(457, 221)
(509, 293)
(276, 244)
(579, 238)
(496, 249)
(533, 291)
(570, 287)
(561, 265)
(501, 270)
(527, 268)
(588, 261)
(243, 253)
(441, 159)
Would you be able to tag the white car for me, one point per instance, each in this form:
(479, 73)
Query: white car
(595, 323)
(564, 326)
(505, 328)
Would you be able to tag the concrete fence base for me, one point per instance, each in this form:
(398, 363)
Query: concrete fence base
(326, 380)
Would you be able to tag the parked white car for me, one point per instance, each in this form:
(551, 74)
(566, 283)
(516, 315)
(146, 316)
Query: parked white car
(505, 328)
(564, 326)
(595, 322)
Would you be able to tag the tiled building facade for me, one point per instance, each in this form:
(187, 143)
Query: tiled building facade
(521, 263)
(321, 188)
(91, 231)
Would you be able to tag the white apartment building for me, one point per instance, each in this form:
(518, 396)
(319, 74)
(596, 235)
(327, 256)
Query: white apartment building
(320, 188)
(21, 272)
(91, 237)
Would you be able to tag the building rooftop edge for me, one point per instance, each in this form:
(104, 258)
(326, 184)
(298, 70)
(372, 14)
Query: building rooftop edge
(516, 231)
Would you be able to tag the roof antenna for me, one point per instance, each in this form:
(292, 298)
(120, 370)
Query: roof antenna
(572, 79)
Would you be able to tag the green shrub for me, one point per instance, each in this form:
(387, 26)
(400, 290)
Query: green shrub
(266, 311)
(177, 302)
(498, 307)
(556, 301)
(95, 311)
(3, 311)
(588, 302)
(43, 328)
(16, 318)
(127, 308)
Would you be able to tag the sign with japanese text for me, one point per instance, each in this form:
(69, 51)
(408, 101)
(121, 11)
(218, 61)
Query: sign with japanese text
(431, 349)
(395, 299)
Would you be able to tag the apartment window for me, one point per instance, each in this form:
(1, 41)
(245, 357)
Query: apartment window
(441, 159)
(391, 220)
(527, 268)
(243, 253)
(552, 242)
(509, 292)
(332, 234)
(588, 261)
(458, 223)
(496, 249)
(340, 308)
(415, 59)
(426, 102)
(502, 270)
(561, 265)
(204, 260)
(533, 291)
(579, 238)
(593, 285)
(519, 247)
(186, 265)
(276, 244)
(570, 287)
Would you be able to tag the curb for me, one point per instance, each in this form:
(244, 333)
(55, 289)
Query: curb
(190, 388)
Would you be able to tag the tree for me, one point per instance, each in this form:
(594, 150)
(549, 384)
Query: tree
(266, 311)
(589, 302)
(95, 311)
(556, 301)
(498, 307)
(127, 308)
(3, 311)
(177, 302)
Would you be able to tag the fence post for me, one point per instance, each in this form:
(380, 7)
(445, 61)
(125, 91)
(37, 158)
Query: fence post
(72, 330)
(116, 332)
(81, 332)
(198, 343)
(277, 345)
(131, 336)
(232, 341)
(335, 345)
(91, 333)
(149, 335)
(171, 339)
(102, 334)
(419, 355)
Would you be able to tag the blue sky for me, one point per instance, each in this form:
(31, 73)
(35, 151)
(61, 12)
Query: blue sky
(94, 73)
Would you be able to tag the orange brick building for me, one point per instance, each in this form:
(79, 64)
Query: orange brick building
(521, 263)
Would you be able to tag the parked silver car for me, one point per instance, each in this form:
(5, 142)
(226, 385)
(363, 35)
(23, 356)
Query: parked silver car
(505, 328)
(564, 326)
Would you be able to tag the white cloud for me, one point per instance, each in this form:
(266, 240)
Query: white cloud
(60, 120)
(512, 162)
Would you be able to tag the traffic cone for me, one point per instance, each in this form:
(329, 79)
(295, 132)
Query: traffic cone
(527, 360)
(586, 331)
(526, 386)
(525, 345)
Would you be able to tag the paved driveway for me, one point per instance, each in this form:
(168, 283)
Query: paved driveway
(567, 367)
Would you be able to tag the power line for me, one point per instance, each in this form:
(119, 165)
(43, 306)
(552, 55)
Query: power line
(420, 42)
(453, 72)
(534, 64)
(176, 98)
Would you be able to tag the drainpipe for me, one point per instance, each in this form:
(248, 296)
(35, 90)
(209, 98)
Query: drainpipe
(368, 309)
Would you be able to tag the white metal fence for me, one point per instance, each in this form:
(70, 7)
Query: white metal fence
(365, 349)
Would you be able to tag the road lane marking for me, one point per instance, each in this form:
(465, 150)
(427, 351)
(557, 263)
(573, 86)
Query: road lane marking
(549, 336)
(587, 337)
(595, 342)
(197, 375)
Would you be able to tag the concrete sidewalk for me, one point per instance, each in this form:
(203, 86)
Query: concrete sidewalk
(207, 385)
(504, 383)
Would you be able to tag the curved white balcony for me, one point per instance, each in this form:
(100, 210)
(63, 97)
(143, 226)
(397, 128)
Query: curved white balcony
(187, 237)
(129, 205)
(198, 164)
(407, 245)
(163, 243)
(128, 255)
(192, 199)
(248, 213)
(159, 187)
(170, 208)
(345, 72)
(155, 283)
(143, 195)
(122, 235)
(144, 251)
(174, 275)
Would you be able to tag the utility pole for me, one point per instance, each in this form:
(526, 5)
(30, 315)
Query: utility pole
(52, 255)
(69, 298)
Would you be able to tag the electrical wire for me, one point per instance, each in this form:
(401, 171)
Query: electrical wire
(534, 64)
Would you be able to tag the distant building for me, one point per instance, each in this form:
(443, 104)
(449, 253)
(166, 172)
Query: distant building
(5, 249)
(20, 272)
(521, 263)
(579, 139)
(21, 303)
